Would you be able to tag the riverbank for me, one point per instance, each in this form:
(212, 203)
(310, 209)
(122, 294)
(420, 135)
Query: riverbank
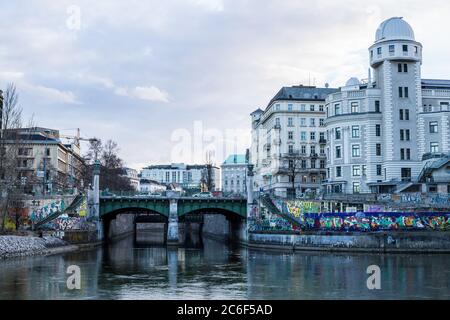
(377, 242)
(24, 246)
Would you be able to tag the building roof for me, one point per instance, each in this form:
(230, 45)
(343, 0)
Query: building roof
(178, 167)
(302, 93)
(394, 29)
(435, 84)
(236, 159)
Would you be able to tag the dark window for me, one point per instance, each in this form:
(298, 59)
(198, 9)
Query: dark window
(378, 169)
(401, 114)
(391, 48)
(378, 149)
(377, 106)
(406, 174)
(338, 172)
(400, 92)
(402, 135)
(405, 68)
(400, 69)
(405, 48)
(378, 130)
(406, 92)
(406, 114)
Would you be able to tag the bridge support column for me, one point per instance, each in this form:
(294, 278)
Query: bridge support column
(173, 235)
(94, 200)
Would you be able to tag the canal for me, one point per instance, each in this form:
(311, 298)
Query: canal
(207, 269)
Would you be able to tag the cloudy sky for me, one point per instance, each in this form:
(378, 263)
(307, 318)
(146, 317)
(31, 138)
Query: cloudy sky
(163, 77)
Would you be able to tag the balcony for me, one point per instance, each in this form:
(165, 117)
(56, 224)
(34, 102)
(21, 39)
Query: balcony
(322, 140)
(436, 93)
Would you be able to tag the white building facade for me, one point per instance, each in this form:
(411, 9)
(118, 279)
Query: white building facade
(288, 141)
(234, 173)
(382, 132)
(187, 176)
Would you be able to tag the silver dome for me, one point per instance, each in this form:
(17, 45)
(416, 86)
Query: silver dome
(394, 29)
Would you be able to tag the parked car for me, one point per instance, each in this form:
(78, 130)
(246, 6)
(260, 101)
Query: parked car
(203, 195)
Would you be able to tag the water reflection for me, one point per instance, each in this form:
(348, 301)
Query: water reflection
(207, 269)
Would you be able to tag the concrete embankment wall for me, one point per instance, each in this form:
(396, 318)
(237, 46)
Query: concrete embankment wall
(369, 242)
(121, 226)
(216, 226)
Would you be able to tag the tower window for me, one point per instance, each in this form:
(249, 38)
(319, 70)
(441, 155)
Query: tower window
(434, 147)
(391, 48)
(355, 107)
(405, 67)
(400, 92)
(379, 51)
(400, 69)
(378, 149)
(405, 48)
(434, 127)
(378, 130)
(377, 105)
(406, 92)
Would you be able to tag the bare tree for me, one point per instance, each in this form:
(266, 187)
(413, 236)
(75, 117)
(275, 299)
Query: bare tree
(10, 119)
(208, 173)
(293, 167)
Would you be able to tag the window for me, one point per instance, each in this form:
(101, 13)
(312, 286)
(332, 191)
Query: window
(405, 154)
(277, 121)
(378, 149)
(416, 49)
(391, 48)
(377, 106)
(354, 107)
(312, 136)
(401, 114)
(290, 122)
(303, 122)
(406, 92)
(379, 51)
(444, 106)
(400, 68)
(321, 108)
(303, 149)
(290, 107)
(337, 109)
(302, 107)
(323, 164)
(356, 150)
(312, 122)
(371, 53)
(434, 127)
(321, 122)
(378, 130)
(405, 67)
(338, 152)
(400, 92)
(322, 150)
(47, 152)
(303, 135)
(402, 135)
(303, 164)
(311, 107)
(379, 170)
(356, 171)
(338, 172)
(338, 133)
(290, 135)
(434, 147)
(356, 187)
(407, 135)
(355, 131)
(313, 164)
(364, 169)
(291, 149)
(322, 136)
(313, 150)
(167, 176)
(277, 107)
(406, 174)
(405, 48)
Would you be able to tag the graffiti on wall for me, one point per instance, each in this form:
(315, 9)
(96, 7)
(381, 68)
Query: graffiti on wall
(309, 217)
(47, 210)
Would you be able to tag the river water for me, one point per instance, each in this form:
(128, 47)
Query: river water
(207, 269)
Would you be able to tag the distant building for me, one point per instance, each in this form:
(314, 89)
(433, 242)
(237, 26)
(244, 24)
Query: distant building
(187, 176)
(234, 173)
(44, 163)
(288, 141)
(151, 186)
(133, 177)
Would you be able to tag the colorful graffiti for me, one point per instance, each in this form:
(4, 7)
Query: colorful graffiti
(44, 212)
(309, 218)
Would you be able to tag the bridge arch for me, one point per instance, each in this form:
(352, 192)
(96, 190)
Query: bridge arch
(111, 207)
(228, 208)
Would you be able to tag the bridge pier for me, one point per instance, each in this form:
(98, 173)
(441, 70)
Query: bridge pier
(173, 234)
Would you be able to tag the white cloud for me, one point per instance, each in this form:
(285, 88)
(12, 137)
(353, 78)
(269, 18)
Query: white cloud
(51, 94)
(210, 5)
(144, 93)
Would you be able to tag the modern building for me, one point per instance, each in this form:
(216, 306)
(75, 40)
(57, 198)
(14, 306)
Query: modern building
(383, 131)
(188, 176)
(288, 141)
(42, 161)
(133, 176)
(234, 173)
